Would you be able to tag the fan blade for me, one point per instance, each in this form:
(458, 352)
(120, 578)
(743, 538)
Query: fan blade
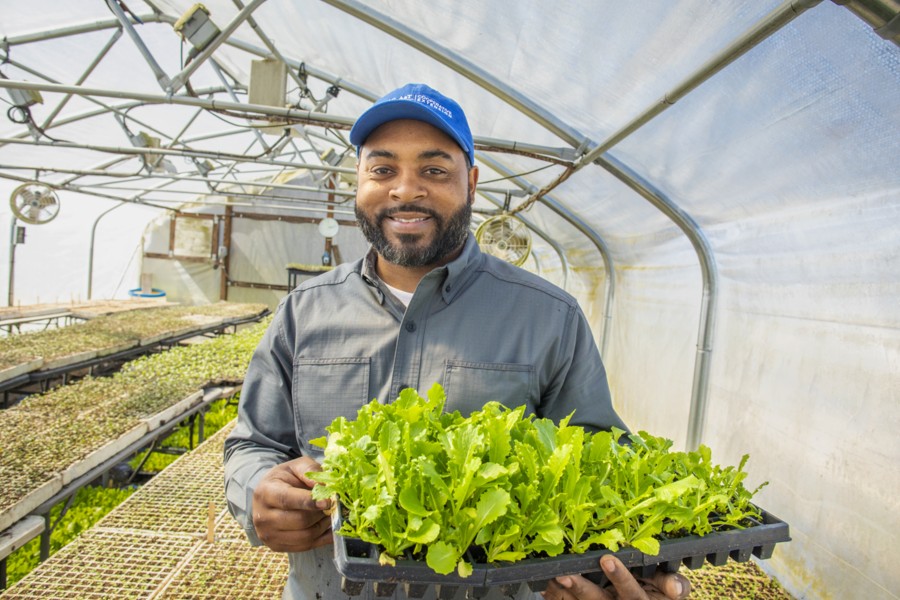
(48, 199)
(34, 213)
(26, 196)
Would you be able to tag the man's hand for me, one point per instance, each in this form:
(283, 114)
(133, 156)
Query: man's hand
(663, 586)
(285, 516)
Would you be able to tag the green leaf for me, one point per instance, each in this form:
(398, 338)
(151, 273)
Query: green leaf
(409, 500)
(611, 538)
(441, 557)
(492, 504)
(426, 533)
(647, 545)
(676, 489)
(509, 556)
(464, 569)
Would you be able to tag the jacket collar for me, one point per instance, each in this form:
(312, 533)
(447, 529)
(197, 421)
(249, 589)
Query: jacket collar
(452, 276)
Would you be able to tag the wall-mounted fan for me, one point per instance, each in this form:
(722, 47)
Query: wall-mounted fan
(35, 203)
(505, 237)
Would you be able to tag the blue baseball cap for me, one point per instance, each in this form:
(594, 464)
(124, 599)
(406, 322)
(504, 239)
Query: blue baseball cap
(419, 102)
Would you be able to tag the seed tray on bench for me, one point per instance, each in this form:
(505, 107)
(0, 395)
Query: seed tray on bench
(357, 562)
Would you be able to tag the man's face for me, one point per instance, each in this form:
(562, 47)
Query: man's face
(414, 198)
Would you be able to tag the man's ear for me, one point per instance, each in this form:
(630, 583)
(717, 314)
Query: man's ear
(473, 182)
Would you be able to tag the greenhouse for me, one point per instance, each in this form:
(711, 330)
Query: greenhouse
(715, 184)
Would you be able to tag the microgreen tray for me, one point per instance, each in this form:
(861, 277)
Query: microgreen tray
(357, 562)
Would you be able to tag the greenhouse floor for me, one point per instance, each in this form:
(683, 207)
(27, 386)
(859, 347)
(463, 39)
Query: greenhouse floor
(174, 539)
(156, 544)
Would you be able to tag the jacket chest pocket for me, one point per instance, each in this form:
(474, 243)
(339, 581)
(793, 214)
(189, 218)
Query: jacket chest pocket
(324, 389)
(470, 385)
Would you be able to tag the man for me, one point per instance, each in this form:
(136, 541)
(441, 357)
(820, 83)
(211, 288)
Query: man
(424, 306)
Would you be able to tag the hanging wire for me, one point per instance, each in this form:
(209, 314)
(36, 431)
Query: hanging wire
(514, 175)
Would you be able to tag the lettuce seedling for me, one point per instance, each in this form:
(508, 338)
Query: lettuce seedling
(501, 485)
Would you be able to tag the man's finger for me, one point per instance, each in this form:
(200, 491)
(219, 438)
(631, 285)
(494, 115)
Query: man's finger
(301, 466)
(291, 520)
(291, 498)
(282, 492)
(575, 586)
(674, 585)
(627, 587)
(284, 542)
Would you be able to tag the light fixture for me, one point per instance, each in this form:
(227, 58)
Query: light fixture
(25, 98)
(196, 27)
(330, 157)
(153, 162)
(344, 160)
(145, 140)
(203, 167)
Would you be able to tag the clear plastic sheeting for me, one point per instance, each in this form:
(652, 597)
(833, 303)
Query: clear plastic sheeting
(734, 242)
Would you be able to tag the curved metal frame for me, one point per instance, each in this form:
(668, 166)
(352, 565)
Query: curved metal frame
(776, 19)
(597, 154)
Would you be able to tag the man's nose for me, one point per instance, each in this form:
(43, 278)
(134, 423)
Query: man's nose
(408, 187)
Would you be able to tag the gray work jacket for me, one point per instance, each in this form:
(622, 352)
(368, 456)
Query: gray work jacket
(482, 328)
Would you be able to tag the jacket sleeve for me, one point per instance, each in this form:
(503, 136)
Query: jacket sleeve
(580, 383)
(264, 435)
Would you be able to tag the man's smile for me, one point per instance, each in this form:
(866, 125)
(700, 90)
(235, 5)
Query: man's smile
(407, 222)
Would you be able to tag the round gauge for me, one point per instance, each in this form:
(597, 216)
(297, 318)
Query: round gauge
(328, 227)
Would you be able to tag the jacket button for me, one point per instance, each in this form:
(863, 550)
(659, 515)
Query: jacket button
(411, 326)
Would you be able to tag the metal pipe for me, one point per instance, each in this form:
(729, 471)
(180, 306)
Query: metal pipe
(90, 69)
(882, 15)
(158, 71)
(135, 177)
(691, 229)
(72, 188)
(90, 275)
(540, 115)
(270, 46)
(233, 96)
(298, 115)
(563, 259)
(128, 177)
(345, 194)
(106, 108)
(181, 78)
(565, 154)
(70, 30)
(768, 25)
(464, 67)
(172, 152)
(310, 70)
(774, 21)
(12, 261)
(313, 209)
(560, 209)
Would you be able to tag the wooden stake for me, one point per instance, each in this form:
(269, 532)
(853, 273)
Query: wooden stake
(211, 523)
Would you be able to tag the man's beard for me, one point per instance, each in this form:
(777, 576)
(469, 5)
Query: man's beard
(448, 237)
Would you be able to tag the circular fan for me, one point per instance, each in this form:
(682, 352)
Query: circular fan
(505, 237)
(35, 203)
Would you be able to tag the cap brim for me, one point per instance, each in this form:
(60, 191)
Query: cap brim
(395, 110)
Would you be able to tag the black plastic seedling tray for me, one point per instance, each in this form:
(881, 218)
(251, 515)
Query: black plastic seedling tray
(357, 562)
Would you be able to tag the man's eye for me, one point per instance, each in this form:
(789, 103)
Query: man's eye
(435, 171)
(380, 171)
